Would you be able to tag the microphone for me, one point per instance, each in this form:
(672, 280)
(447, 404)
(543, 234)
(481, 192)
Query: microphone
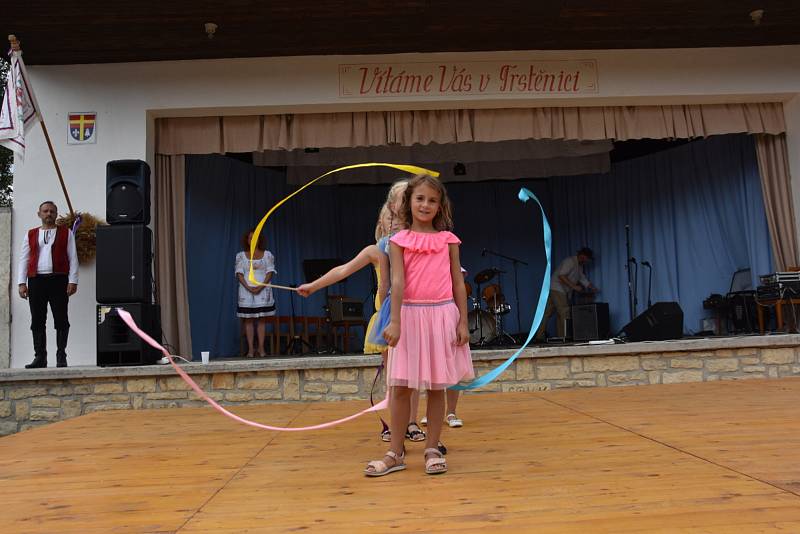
(483, 252)
(646, 263)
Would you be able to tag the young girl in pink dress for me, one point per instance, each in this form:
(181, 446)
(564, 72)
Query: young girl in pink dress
(428, 327)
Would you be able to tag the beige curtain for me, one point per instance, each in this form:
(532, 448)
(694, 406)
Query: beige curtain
(773, 164)
(255, 133)
(171, 284)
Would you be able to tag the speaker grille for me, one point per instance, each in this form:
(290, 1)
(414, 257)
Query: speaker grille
(124, 272)
(127, 192)
(125, 202)
(590, 321)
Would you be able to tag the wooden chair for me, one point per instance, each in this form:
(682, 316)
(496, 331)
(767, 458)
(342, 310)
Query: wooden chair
(299, 330)
(284, 332)
(317, 332)
(346, 333)
(271, 329)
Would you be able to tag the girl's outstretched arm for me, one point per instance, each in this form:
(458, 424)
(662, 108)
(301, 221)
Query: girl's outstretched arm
(392, 332)
(370, 254)
(459, 295)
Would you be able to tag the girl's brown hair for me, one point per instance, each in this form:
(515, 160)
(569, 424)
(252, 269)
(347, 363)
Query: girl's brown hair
(444, 217)
(246, 240)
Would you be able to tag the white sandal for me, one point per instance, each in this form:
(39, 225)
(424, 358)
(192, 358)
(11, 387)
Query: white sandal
(379, 467)
(453, 421)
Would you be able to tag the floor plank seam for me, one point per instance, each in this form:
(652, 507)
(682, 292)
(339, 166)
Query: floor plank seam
(673, 447)
(234, 475)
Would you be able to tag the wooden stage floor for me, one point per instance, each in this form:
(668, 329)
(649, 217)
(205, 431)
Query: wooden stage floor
(689, 458)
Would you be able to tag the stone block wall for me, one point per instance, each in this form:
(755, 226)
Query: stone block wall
(7, 289)
(29, 403)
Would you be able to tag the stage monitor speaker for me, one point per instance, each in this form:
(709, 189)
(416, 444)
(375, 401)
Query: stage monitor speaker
(119, 345)
(590, 322)
(127, 192)
(662, 320)
(124, 272)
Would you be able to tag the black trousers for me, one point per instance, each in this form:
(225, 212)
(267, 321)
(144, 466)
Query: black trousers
(48, 289)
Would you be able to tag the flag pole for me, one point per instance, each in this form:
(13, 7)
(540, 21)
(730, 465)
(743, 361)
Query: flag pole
(12, 39)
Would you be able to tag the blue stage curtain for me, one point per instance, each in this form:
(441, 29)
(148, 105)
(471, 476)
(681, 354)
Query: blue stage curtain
(225, 196)
(696, 213)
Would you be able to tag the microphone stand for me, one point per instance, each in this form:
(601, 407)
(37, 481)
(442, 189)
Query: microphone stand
(631, 288)
(649, 282)
(297, 344)
(514, 262)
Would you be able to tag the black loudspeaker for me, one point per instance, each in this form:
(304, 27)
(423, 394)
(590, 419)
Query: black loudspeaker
(119, 345)
(662, 320)
(127, 192)
(743, 311)
(124, 272)
(345, 309)
(590, 322)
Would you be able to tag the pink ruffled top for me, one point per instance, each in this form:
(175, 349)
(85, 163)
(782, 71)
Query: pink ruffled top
(426, 261)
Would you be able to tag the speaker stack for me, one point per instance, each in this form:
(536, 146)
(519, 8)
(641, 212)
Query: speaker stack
(124, 268)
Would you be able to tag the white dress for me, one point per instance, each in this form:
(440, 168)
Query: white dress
(259, 304)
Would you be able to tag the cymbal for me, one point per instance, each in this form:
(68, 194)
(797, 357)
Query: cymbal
(486, 275)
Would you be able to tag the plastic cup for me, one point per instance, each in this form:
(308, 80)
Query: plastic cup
(205, 355)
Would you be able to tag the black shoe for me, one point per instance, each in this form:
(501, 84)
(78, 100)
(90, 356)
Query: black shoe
(62, 335)
(37, 363)
(39, 350)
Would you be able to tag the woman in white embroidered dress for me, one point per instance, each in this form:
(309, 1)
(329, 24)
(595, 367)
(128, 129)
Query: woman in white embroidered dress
(255, 302)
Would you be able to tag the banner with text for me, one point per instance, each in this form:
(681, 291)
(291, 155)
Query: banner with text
(549, 77)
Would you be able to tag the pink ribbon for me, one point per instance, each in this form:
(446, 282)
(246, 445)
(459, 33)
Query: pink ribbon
(202, 394)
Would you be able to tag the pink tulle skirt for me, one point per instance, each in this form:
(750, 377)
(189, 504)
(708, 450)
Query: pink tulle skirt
(427, 357)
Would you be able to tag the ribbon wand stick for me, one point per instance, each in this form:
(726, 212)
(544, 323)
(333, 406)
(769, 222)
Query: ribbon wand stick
(279, 287)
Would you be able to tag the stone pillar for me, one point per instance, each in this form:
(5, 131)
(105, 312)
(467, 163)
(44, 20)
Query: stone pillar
(8, 289)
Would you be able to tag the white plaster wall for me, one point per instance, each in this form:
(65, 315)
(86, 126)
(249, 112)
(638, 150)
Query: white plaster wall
(128, 96)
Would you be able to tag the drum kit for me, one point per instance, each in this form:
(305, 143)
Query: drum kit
(488, 307)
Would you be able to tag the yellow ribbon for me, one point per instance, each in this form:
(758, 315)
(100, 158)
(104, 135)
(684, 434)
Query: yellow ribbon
(411, 169)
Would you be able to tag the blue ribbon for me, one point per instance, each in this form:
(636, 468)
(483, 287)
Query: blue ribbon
(77, 223)
(524, 195)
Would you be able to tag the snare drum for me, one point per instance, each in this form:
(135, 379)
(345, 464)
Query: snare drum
(495, 300)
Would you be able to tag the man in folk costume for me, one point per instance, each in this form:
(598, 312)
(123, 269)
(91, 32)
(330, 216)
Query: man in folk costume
(48, 273)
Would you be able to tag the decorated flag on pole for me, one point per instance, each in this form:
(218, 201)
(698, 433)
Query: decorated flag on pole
(20, 110)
